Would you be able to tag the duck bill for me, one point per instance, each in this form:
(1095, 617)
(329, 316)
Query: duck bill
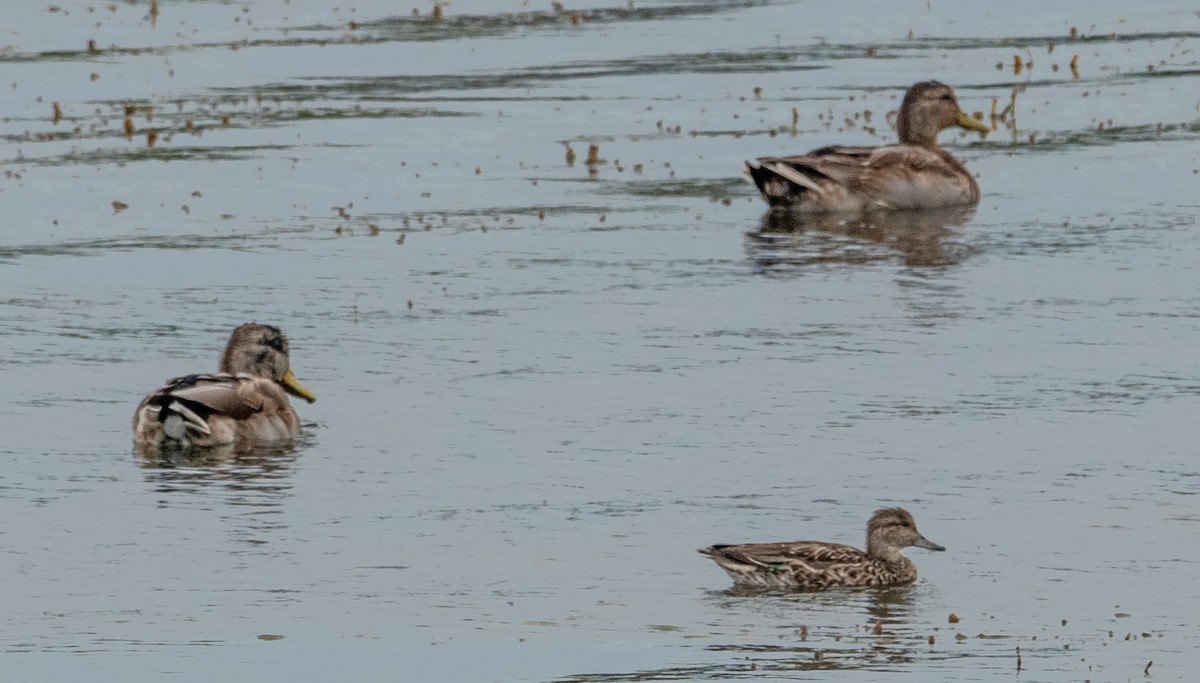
(969, 122)
(927, 544)
(295, 388)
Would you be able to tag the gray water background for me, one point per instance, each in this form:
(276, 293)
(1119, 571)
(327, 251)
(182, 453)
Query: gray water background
(543, 385)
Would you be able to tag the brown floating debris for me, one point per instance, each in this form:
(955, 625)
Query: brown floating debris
(570, 156)
(593, 155)
(128, 127)
(953, 618)
(151, 137)
(1018, 659)
(91, 47)
(1017, 65)
(1075, 67)
(57, 113)
(119, 206)
(803, 632)
(1146, 671)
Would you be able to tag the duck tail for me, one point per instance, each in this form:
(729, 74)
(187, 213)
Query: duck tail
(180, 416)
(779, 183)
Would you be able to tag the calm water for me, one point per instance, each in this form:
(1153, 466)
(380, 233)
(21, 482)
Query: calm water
(542, 385)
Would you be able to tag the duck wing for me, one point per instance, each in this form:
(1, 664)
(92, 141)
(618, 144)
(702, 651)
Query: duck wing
(839, 178)
(818, 174)
(815, 554)
(195, 399)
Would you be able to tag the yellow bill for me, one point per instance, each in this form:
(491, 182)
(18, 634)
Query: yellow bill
(295, 388)
(969, 122)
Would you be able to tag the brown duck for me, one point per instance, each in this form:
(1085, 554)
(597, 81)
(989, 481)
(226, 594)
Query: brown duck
(915, 174)
(815, 565)
(242, 405)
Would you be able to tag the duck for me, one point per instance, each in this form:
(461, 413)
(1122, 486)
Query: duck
(243, 405)
(816, 565)
(914, 174)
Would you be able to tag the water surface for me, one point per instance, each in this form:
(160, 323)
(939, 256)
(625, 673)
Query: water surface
(543, 384)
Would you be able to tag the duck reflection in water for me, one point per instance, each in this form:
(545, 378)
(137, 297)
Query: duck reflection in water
(244, 494)
(890, 631)
(264, 458)
(922, 237)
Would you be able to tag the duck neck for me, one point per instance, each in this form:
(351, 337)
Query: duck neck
(886, 553)
(913, 134)
(900, 568)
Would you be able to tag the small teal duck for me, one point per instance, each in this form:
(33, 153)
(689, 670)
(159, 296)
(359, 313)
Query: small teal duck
(815, 565)
(915, 174)
(244, 404)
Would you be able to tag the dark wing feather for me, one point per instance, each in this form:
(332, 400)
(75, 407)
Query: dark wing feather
(215, 394)
(851, 167)
(813, 553)
(842, 165)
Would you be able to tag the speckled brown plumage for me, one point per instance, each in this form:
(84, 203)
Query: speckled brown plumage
(816, 565)
(914, 174)
(241, 405)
